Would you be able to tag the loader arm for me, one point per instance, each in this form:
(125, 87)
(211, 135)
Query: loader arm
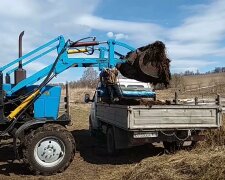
(65, 61)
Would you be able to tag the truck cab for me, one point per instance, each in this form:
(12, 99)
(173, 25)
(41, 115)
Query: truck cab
(135, 89)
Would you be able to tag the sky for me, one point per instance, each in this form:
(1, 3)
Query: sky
(193, 30)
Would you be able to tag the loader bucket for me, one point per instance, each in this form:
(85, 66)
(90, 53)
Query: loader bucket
(148, 64)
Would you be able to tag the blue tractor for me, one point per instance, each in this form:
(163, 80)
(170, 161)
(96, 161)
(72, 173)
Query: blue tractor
(29, 107)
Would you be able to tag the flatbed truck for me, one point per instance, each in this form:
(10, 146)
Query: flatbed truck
(131, 125)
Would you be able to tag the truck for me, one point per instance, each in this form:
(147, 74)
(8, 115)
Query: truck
(124, 126)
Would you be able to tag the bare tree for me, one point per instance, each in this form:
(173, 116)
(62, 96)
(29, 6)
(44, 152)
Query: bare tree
(89, 79)
(178, 82)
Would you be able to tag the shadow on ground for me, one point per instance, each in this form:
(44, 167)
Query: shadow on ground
(93, 150)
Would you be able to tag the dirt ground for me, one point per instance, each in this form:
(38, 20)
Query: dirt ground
(91, 160)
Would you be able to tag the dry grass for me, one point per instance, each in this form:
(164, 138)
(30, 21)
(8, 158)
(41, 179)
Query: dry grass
(77, 94)
(214, 137)
(204, 80)
(203, 86)
(197, 164)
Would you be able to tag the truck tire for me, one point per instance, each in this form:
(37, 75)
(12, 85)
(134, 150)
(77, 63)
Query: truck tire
(93, 133)
(171, 147)
(192, 145)
(48, 149)
(111, 150)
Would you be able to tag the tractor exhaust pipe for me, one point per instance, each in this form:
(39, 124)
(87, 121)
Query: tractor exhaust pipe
(20, 73)
(20, 48)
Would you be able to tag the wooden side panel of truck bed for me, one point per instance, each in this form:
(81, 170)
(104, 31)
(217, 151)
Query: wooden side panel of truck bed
(160, 117)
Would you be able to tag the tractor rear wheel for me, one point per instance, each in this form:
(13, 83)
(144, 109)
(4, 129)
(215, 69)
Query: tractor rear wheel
(48, 149)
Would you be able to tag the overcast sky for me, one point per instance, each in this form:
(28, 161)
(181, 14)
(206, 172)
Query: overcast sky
(192, 30)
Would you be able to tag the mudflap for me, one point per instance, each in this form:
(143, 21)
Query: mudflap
(122, 138)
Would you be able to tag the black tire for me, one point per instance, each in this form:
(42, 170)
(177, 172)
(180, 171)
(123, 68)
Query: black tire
(172, 147)
(93, 133)
(192, 145)
(48, 133)
(154, 98)
(110, 140)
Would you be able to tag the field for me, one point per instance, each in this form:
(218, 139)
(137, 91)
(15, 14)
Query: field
(202, 86)
(206, 161)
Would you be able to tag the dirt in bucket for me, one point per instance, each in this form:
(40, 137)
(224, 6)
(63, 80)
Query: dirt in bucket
(147, 64)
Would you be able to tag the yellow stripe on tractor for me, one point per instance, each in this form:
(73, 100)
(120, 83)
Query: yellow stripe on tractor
(75, 51)
(23, 105)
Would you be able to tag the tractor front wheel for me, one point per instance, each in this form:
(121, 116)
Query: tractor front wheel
(48, 149)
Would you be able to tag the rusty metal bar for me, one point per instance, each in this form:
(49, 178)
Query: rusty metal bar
(176, 98)
(68, 100)
(218, 100)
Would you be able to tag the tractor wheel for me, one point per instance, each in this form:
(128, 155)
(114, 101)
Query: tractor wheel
(110, 141)
(48, 149)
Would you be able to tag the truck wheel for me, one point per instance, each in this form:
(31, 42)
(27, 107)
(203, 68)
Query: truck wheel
(110, 142)
(172, 147)
(92, 132)
(48, 149)
(192, 145)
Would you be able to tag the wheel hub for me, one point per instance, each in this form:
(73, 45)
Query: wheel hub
(49, 152)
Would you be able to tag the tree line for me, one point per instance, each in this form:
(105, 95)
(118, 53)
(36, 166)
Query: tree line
(90, 78)
(190, 73)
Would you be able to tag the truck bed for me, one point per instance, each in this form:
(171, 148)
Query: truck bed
(160, 116)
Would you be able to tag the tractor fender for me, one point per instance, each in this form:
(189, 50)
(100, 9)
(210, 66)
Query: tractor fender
(62, 120)
(27, 125)
(19, 133)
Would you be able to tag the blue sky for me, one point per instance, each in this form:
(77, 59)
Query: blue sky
(192, 30)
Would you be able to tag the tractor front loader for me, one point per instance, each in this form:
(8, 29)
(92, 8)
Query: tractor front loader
(29, 106)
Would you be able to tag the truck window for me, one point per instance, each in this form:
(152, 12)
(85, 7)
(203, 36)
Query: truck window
(122, 86)
(135, 86)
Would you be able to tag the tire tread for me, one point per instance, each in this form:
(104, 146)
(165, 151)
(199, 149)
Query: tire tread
(50, 128)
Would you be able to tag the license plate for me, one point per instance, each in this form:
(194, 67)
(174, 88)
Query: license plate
(146, 135)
